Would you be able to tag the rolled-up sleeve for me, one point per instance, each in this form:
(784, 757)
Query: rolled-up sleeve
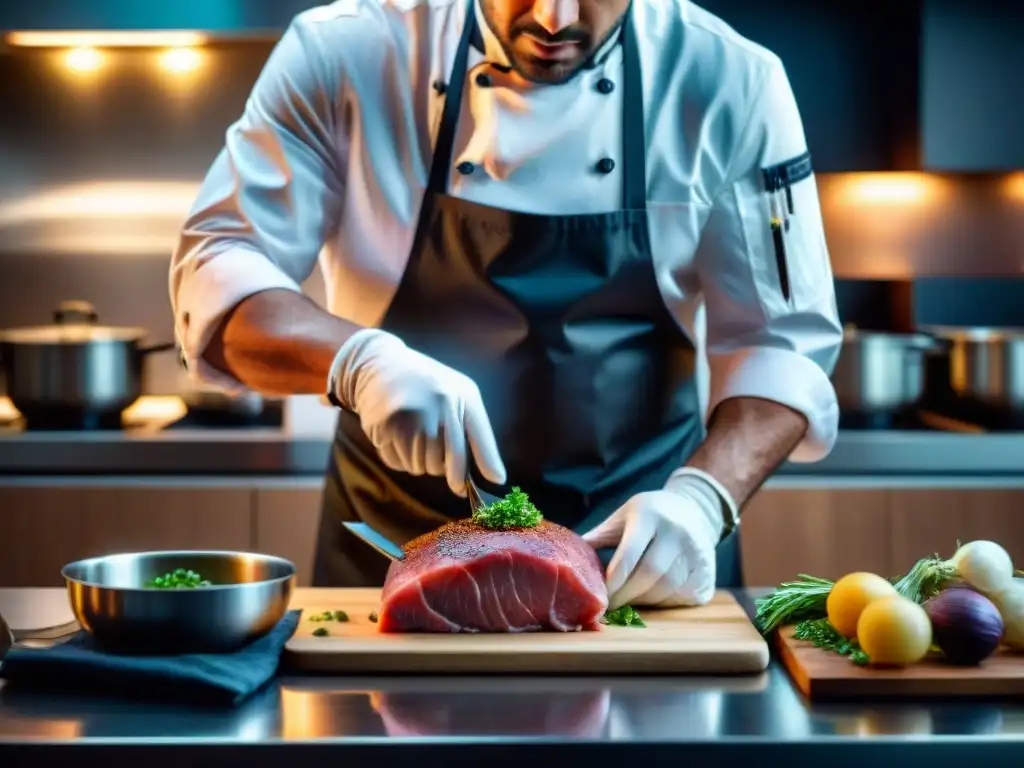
(773, 331)
(268, 203)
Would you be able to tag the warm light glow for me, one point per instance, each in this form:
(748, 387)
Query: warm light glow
(104, 39)
(180, 61)
(131, 218)
(102, 200)
(83, 60)
(1013, 186)
(892, 189)
(301, 714)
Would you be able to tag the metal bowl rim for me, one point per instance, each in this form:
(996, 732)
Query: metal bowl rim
(184, 553)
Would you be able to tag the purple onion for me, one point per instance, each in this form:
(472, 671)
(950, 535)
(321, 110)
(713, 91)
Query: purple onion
(966, 625)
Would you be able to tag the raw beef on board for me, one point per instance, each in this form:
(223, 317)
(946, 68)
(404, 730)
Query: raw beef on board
(464, 577)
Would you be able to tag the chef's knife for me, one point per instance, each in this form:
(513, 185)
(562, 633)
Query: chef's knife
(381, 543)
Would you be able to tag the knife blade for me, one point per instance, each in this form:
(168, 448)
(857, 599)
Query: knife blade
(380, 543)
(478, 499)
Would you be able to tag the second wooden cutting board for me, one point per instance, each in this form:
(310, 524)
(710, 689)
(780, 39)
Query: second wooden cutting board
(716, 639)
(822, 674)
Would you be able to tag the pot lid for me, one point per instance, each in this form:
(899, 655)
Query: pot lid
(74, 322)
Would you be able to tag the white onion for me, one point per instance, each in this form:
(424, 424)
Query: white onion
(984, 565)
(1010, 602)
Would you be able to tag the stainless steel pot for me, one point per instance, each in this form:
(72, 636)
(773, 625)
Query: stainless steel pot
(880, 373)
(74, 367)
(986, 364)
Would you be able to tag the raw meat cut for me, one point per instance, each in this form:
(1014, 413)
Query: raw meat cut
(464, 577)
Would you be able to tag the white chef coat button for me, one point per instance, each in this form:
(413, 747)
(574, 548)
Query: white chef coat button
(605, 165)
(465, 167)
(440, 87)
(483, 80)
(605, 86)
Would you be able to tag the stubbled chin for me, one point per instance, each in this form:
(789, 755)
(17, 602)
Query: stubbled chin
(553, 74)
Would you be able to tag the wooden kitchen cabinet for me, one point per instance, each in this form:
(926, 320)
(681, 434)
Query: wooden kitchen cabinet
(829, 533)
(855, 72)
(972, 76)
(820, 532)
(43, 527)
(927, 522)
(286, 523)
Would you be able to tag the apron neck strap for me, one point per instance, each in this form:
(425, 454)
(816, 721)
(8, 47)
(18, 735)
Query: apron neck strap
(634, 142)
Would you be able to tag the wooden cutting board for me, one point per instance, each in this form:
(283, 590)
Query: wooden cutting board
(714, 639)
(822, 675)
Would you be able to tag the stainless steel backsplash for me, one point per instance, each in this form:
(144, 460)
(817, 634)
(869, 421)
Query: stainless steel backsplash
(98, 170)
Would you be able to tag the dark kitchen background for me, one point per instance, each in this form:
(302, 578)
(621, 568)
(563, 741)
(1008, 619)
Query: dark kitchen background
(915, 121)
(912, 111)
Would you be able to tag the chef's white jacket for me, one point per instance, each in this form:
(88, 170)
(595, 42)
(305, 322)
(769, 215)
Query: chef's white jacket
(331, 156)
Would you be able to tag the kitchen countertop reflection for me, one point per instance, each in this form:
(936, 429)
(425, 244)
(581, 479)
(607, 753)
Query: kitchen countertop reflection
(631, 709)
(722, 716)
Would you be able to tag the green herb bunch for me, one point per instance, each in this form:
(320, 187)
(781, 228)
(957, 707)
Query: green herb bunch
(514, 511)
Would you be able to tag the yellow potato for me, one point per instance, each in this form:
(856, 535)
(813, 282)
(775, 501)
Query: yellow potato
(850, 596)
(894, 632)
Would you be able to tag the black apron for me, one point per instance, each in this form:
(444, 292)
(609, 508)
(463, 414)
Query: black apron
(587, 379)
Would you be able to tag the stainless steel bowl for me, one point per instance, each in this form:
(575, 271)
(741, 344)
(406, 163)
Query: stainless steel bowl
(249, 596)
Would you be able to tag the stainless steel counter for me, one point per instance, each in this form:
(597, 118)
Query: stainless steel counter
(475, 721)
(268, 452)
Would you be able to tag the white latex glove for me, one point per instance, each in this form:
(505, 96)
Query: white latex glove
(420, 415)
(665, 543)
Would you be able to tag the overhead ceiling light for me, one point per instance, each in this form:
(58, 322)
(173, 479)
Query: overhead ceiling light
(181, 60)
(83, 60)
(106, 39)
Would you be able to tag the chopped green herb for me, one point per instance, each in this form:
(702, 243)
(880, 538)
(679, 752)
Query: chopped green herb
(823, 635)
(320, 632)
(180, 578)
(374, 617)
(329, 616)
(514, 511)
(624, 616)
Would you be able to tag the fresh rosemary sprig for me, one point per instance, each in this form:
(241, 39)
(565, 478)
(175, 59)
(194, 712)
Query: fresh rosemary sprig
(792, 601)
(822, 635)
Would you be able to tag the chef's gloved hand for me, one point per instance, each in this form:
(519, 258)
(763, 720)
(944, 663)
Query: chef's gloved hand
(421, 416)
(665, 543)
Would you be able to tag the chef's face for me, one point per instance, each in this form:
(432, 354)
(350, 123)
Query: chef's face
(547, 41)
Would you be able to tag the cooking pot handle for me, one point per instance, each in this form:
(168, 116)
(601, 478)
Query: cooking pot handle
(157, 348)
(931, 342)
(75, 311)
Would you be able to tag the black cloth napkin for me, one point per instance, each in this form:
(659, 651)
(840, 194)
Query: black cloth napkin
(81, 665)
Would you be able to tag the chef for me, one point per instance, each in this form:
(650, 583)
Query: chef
(573, 246)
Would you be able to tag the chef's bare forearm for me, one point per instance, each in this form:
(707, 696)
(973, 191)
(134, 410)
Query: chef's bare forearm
(279, 342)
(747, 439)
